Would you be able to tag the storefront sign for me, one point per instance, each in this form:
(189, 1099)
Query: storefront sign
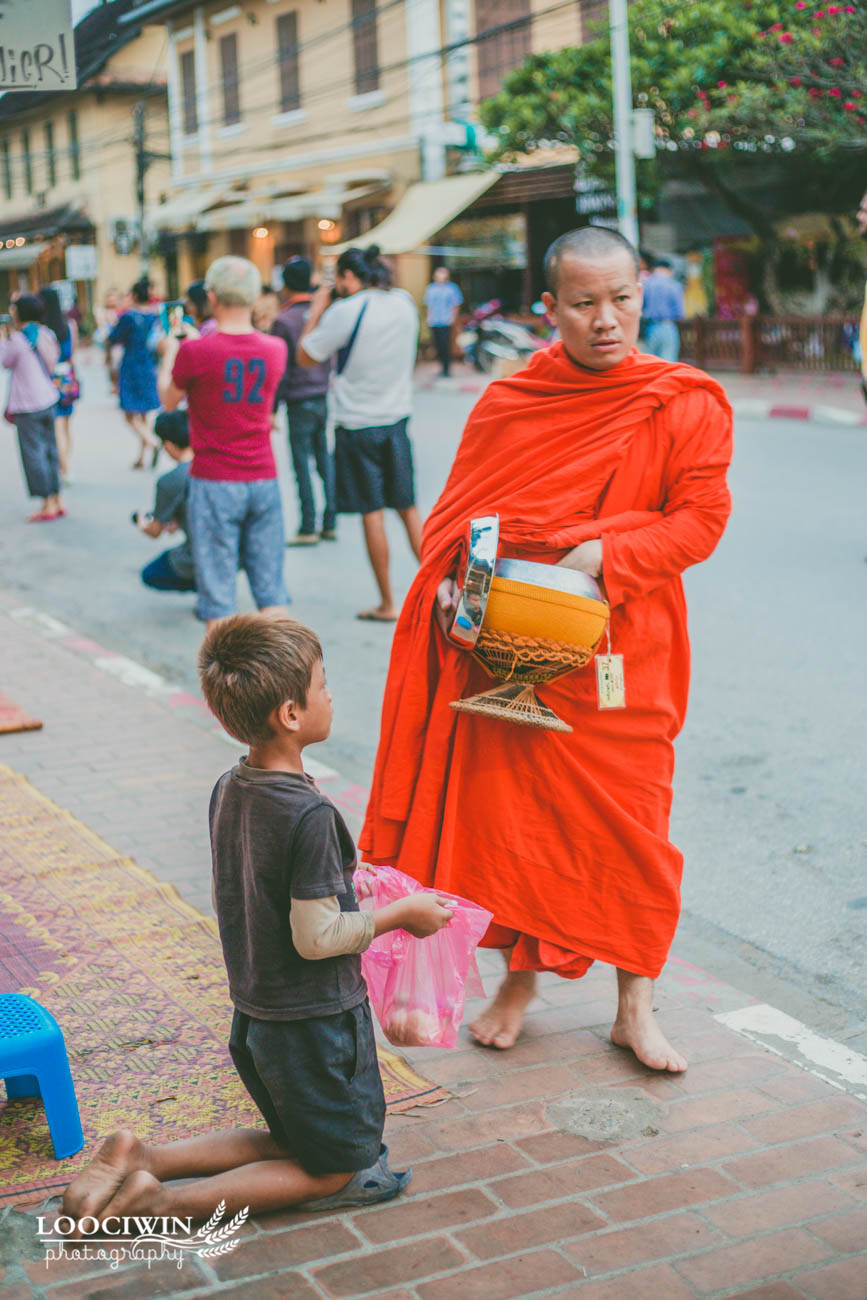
(81, 262)
(37, 48)
(484, 241)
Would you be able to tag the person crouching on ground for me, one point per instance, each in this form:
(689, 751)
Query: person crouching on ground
(301, 1039)
(172, 570)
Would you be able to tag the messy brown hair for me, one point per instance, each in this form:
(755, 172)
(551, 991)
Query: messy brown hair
(249, 665)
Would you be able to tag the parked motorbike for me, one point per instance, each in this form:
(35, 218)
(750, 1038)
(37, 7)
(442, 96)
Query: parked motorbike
(488, 337)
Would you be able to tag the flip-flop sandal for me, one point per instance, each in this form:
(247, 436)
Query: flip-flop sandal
(43, 517)
(371, 616)
(378, 1183)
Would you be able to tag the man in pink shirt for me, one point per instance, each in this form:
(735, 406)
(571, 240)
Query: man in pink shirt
(234, 510)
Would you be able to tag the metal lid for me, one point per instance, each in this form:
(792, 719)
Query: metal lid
(481, 559)
(553, 576)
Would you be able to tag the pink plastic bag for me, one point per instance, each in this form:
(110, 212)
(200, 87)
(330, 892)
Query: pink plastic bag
(418, 987)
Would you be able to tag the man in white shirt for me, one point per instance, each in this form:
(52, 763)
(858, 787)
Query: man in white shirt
(372, 331)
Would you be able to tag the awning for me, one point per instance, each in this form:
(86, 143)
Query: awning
(234, 216)
(425, 208)
(260, 208)
(183, 209)
(327, 202)
(16, 259)
(47, 223)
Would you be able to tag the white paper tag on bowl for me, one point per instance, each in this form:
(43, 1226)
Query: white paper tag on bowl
(610, 688)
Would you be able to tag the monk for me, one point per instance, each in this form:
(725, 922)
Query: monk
(605, 460)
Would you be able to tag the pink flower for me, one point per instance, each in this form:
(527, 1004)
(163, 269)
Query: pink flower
(835, 93)
(721, 85)
(786, 38)
(850, 9)
(814, 93)
(820, 13)
(802, 4)
(816, 31)
(833, 9)
(796, 81)
(837, 63)
(850, 106)
(777, 27)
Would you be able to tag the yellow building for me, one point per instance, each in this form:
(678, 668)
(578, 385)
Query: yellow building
(297, 125)
(68, 165)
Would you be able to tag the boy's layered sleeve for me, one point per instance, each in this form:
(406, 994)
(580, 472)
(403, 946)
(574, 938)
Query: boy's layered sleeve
(320, 927)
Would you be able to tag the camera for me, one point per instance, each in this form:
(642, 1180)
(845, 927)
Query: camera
(137, 518)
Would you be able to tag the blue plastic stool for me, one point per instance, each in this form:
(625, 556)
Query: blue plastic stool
(33, 1063)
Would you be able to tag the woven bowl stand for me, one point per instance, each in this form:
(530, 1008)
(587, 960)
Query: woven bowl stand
(521, 662)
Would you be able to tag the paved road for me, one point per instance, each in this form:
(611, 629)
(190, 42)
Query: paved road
(770, 792)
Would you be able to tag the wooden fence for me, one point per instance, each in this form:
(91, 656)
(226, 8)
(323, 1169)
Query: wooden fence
(823, 343)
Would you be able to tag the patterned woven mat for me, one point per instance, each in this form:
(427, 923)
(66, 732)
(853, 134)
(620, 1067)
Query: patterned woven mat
(134, 976)
(13, 718)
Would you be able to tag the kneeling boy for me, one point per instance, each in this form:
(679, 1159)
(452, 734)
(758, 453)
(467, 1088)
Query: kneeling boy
(302, 1038)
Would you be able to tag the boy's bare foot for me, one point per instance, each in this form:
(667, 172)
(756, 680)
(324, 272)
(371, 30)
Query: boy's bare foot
(139, 1193)
(636, 1028)
(89, 1193)
(500, 1022)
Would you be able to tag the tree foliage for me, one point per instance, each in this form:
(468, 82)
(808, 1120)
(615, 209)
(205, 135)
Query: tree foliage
(725, 83)
(804, 85)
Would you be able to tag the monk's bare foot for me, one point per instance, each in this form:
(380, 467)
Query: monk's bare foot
(500, 1022)
(636, 1028)
(90, 1192)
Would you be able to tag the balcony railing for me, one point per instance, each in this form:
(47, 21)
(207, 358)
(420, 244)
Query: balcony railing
(823, 343)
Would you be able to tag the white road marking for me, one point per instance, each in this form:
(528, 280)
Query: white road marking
(44, 624)
(834, 1062)
(133, 674)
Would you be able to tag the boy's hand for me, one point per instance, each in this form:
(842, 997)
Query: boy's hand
(424, 914)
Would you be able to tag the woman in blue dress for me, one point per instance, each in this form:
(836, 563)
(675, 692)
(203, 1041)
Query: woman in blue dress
(66, 333)
(134, 332)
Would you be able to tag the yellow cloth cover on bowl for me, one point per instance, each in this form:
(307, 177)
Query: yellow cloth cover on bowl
(523, 609)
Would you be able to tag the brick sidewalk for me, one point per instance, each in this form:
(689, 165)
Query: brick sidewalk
(748, 1180)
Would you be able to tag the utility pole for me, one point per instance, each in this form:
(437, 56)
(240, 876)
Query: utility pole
(627, 214)
(141, 166)
(143, 159)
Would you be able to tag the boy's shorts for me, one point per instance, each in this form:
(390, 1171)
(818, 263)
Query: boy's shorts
(232, 526)
(317, 1084)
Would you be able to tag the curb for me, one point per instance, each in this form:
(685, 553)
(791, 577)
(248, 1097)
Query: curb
(754, 409)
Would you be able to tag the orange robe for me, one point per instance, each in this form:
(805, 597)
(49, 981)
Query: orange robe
(564, 837)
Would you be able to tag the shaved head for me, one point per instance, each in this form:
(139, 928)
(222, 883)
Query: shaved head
(590, 243)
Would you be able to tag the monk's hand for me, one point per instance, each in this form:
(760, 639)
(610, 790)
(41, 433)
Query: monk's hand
(446, 604)
(586, 558)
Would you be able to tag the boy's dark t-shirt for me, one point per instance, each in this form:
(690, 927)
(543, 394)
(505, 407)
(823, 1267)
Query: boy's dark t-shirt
(274, 837)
